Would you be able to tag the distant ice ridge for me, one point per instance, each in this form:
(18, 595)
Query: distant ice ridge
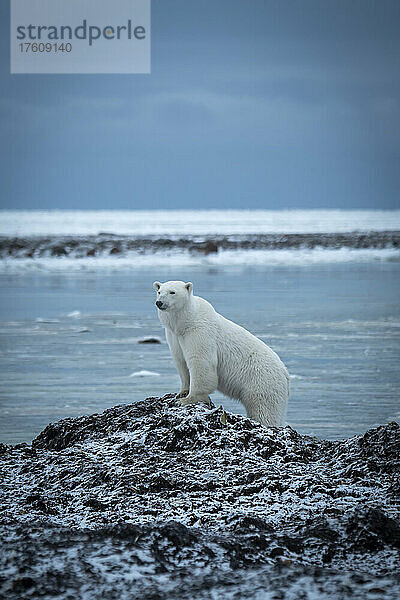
(202, 222)
(177, 259)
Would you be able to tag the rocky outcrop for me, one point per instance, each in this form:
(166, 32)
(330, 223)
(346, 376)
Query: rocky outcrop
(153, 501)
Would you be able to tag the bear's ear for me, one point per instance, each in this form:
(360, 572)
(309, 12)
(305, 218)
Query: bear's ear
(156, 285)
(189, 286)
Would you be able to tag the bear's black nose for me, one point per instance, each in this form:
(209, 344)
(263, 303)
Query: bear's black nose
(159, 304)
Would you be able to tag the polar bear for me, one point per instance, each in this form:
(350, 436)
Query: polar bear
(212, 353)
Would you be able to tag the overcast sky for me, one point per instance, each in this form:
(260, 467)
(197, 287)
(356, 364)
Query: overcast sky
(250, 104)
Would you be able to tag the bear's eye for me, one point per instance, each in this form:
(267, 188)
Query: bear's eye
(172, 292)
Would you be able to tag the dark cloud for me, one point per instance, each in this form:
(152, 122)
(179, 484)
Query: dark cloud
(249, 104)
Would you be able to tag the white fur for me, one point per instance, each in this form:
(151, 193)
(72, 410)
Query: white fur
(212, 353)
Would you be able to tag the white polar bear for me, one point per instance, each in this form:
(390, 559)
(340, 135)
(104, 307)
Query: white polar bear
(212, 353)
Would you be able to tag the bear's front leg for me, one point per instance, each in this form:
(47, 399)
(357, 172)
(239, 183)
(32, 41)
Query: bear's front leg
(203, 371)
(180, 363)
(193, 399)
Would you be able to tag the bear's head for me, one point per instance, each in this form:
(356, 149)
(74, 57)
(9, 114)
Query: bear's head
(172, 295)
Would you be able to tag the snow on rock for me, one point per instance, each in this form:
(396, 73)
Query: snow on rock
(154, 501)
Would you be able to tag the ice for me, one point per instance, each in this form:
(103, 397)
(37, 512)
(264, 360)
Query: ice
(201, 222)
(181, 258)
(43, 320)
(131, 240)
(144, 373)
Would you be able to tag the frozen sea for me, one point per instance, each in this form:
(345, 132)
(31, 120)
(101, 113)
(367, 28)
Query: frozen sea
(70, 324)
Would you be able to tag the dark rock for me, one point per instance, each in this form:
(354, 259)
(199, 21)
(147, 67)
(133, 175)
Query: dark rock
(149, 340)
(372, 529)
(208, 247)
(58, 251)
(96, 504)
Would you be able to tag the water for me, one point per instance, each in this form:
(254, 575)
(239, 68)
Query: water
(70, 324)
(69, 339)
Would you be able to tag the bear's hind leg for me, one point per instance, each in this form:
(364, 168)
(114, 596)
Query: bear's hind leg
(266, 410)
